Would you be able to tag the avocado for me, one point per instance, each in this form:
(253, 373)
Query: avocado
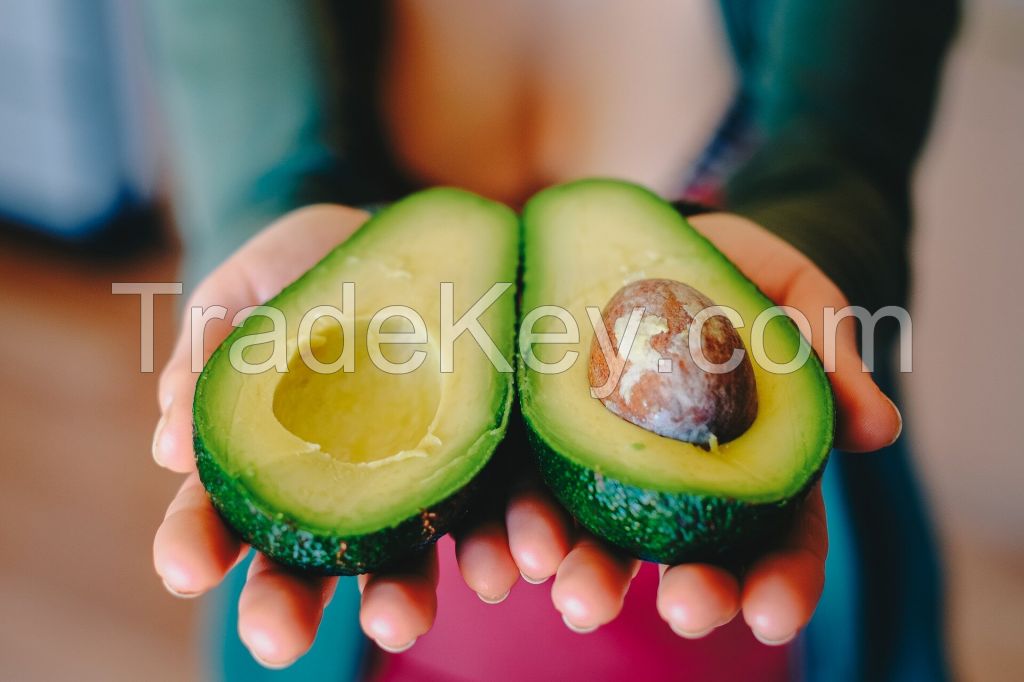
(658, 498)
(344, 472)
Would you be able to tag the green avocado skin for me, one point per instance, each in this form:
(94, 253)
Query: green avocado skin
(289, 543)
(669, 528)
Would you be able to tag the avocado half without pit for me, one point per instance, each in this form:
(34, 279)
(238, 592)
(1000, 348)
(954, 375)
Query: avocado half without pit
(342, 471)
(667, 461)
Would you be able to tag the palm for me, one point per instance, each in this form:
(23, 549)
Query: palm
(280, 611)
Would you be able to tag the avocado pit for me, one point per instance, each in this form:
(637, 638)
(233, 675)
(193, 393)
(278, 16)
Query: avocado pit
(657, 383)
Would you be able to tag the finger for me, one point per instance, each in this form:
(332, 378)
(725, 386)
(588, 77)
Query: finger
(172, 438)
(591, 584)
(193, 549)
(399, 605)
(539, 533)
(485, 562)
(279, 611)
(694, 599)
(781, 590)
(867, 420)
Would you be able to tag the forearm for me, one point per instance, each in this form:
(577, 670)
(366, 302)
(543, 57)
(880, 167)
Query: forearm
(841, 94)
(809, 194)
(243, 105)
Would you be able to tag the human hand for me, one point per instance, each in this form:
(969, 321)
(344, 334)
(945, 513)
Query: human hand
(778, 593)
(279, 609)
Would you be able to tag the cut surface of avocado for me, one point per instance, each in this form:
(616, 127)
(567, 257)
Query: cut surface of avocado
(347, 471)
(659, 498)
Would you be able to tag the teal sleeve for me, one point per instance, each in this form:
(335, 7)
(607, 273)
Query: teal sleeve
(841, 93)
(244, 105)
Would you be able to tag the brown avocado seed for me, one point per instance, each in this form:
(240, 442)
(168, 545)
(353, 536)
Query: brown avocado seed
(660, 386)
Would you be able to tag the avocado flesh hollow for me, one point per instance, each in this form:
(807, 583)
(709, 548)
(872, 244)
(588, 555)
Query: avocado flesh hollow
(347, 472)
(658, 498)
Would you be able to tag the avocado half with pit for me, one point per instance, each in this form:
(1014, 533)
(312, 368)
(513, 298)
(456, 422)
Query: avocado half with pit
(345, 472)
(658, 498)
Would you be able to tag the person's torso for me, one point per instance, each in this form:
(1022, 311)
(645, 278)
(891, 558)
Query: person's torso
(505, 97)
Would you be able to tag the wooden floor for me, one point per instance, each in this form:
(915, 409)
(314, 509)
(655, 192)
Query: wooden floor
(80, 495)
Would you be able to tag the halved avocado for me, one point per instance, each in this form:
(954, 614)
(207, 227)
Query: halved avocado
(346, 472)
(657, 498)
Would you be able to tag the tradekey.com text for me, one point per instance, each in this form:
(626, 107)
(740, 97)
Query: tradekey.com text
(283, 339)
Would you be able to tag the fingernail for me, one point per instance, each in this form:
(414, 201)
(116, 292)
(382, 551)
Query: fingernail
(176, 593)
(774, 642)
(157, 432)
(686, 634)
(899, 417)
(397, 649)
(267, 664)
(533, 581)
(261, 640)
(576, 628)
(493, 600)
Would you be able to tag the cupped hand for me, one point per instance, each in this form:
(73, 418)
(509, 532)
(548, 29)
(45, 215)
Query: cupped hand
(778, 593)
(279, 610)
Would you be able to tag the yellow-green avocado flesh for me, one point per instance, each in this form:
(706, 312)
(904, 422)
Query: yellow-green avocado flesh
(347, 472)
(657, 498)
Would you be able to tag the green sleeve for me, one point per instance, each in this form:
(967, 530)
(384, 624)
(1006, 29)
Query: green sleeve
(242, 94)
(841, 92)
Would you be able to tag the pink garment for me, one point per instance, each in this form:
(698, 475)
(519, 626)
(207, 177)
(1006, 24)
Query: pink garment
(523, 638)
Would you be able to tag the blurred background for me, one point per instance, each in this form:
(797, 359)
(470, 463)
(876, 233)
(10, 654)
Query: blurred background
(80, 198)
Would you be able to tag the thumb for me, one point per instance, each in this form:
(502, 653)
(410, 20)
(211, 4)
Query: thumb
(866, 419)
